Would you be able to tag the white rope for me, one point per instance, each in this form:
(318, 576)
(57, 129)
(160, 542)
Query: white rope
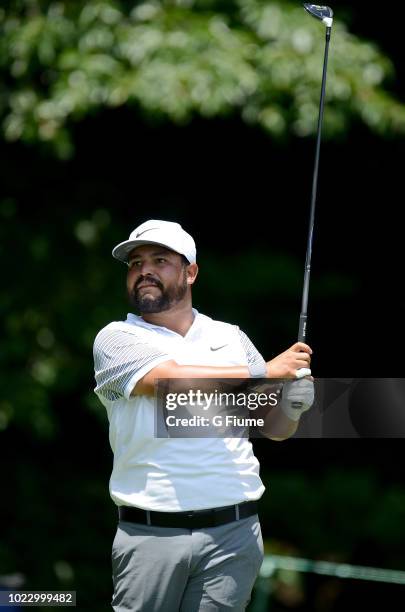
(271, 563)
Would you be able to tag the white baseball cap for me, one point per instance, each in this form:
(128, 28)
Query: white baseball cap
(165, 233)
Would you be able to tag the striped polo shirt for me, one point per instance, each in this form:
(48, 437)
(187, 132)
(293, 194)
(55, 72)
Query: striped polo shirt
(170, 474)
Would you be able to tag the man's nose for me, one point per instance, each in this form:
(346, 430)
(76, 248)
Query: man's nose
(146, 268)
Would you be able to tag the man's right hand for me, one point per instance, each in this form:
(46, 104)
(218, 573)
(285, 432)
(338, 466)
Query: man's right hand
(286, 364)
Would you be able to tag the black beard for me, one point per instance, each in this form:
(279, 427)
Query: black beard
(167, 299)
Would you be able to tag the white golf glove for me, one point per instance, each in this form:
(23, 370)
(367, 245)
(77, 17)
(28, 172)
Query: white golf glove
(297, 397)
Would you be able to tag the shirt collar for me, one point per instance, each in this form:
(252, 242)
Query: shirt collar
(136, 320)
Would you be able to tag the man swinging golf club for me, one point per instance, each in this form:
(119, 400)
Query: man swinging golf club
(188, 537)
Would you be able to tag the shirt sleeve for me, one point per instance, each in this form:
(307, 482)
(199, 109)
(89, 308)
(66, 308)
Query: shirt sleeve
(121, 359)
(255, 361)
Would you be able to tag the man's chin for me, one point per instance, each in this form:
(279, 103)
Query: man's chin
(150, 305)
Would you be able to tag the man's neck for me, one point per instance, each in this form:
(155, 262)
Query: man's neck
(179, 318)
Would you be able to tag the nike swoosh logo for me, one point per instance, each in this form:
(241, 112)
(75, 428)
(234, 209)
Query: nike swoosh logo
(216, 348)
(147, 230)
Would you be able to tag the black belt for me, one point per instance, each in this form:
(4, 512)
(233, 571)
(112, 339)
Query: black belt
(191, 519)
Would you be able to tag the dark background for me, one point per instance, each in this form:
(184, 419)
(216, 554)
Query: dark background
(246, 202)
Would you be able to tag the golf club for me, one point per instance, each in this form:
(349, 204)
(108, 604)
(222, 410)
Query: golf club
(324, 14)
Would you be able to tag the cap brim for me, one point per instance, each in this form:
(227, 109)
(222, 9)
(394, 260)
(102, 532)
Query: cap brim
(122, 250)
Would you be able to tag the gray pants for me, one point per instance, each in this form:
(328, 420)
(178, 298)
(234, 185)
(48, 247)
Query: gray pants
(165, 569)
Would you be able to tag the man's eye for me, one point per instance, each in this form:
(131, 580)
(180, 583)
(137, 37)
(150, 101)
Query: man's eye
(134, 264)
(162, 260)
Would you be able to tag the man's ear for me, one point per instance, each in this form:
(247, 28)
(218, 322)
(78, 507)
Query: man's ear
(192, 271)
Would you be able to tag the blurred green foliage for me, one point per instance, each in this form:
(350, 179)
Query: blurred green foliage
(60, 61)
(341, 512)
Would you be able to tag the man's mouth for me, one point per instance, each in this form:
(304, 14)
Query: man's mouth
(143, 285)
(147, 285)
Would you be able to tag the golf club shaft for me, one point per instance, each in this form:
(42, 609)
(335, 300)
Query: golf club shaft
(304, 306)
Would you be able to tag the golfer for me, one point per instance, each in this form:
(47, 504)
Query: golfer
(188, 536)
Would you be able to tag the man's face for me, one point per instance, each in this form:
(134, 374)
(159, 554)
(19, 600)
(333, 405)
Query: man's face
(157, 278)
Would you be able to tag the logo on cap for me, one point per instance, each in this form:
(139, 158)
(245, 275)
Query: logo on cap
(147, 230)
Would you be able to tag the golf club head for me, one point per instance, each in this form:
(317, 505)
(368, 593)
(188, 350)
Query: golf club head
(323, 13)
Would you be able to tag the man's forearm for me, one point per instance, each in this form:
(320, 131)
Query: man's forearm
(173, 370)
(284, 365)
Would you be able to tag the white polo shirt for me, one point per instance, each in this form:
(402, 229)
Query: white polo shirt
(170, 474)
